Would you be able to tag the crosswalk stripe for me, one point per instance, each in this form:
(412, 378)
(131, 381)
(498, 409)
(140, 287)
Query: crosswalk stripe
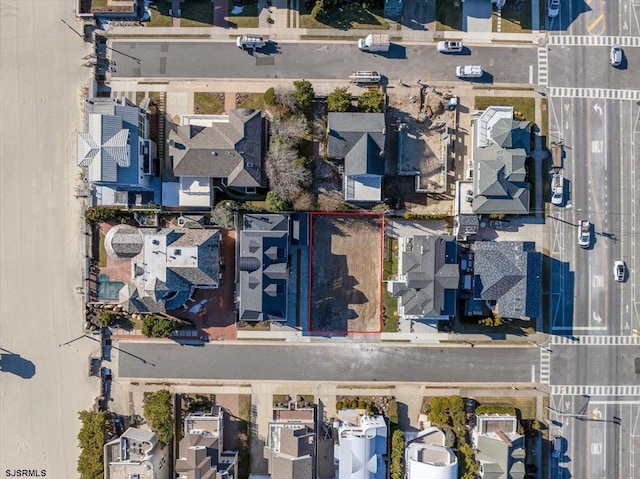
(595, 93)
(597, 340)
(543, 66)
(570, 390)
(545, 365)
(592, 40)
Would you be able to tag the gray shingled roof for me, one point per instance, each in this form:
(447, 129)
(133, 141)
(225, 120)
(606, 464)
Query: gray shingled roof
(430, 277)
(509, 273)
(499, 460)
(262, 267)
(123, 242)
(499, 169)
(231, 150)
(346, 129)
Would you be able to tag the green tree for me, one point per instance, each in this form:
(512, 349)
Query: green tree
(158, 411)
(371, 101)
(304, 93)
(276, 203)
(439, 413)
(157, 326)
(270, 96)
(107, 318)
(97, 428)
(99, 214)
(339, 100)
(397, 454)
(223, 216)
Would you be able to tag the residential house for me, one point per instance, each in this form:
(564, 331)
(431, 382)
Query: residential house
(291, 442)
(263, 259)
(167, 264)
(500, 450)
(357, 140)
(428, 278)
(500, 148)
(209, 152)
(427, 456)
(201, 450)
(116, 153)
(137, 453)
(361, 448)
(507, 276)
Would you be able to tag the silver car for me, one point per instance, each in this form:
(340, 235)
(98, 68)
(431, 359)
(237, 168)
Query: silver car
(615, 55)
(450, 47)
(619, 270)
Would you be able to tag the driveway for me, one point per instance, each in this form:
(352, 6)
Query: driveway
(419, 15)
(476, 16)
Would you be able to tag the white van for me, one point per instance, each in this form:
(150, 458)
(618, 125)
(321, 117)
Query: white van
(469, 71)
(251, 42)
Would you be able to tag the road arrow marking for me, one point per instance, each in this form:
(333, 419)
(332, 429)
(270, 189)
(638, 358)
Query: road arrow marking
(598, 109)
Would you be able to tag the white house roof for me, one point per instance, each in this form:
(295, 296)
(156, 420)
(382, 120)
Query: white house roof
(426, 456)
(361, 449)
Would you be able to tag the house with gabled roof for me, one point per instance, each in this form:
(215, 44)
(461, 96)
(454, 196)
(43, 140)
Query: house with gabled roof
(500, 148)
(500, 450)
(358, 140)
(215, 151)
(167, 265)
(428, 277)
(263, 261)
(507, 275)
(116, 153)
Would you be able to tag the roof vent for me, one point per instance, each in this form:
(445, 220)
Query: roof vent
(155, 242)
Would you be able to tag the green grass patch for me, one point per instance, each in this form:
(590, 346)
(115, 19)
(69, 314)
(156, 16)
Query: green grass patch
(207, 104)
(254, 101)
(525, 105)
(352, 16)
(247, 19)
(515, 20)
(390, 265)
(390, 322)
(525, 407)
(197, 13)
(448, 15)
(98, 3)
(160, 15)
(544, 110)
(102, 255)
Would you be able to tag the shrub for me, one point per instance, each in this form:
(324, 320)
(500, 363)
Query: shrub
(447, 411)
(223, 216)
(362, 404)
(353, 404)
(270, 96)
(276, 203)
(157, 326)
(99, 214)
(397, 454)
(393, 411)
(304, 88)
(371, 101)
(97, 428)
(496, 409)
(339, 100)
(158, 411)
(424, 216)
(107, 318)
(339, 406)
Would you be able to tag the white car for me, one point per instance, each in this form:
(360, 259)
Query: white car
(619, 270)
(615, 55)
(450, 47)
(553, 8)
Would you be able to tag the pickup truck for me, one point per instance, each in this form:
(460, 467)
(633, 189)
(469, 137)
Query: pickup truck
(557, 187)
(584, 233)
(469, 71)
(251, 42)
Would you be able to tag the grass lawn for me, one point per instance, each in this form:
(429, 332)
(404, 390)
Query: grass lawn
(252, 100)
(448, 15)
(390, 324)
(102, 256)
(247, 19)
(526, 106)
(515, 21)
(544, 127)
(390, 266)
(98, 3)
(160, 15)
(526, 405)
(197, 13)
(351, 17)
(206, 104)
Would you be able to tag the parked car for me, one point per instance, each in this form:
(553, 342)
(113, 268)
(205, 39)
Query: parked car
(619, 270)
(500, 224)
(553, 8)
(615, 55)
(584, 233)
(450, 47)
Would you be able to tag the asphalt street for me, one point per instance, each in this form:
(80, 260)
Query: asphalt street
(595, 365)
(346, 362)
(316, 61)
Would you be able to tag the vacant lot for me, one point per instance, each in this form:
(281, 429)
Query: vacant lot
(346, 272)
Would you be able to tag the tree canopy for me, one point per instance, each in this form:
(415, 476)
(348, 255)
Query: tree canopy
(158, 411)
(154, 326)
(339, 100)
(97, 428)
(304, 93)
(371, 101)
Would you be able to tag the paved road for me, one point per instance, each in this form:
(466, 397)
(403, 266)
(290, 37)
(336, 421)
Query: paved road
(331, 362)
(42, 386)
(315, 61)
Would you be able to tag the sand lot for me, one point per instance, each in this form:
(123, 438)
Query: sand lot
(346, 273)
(42, 385)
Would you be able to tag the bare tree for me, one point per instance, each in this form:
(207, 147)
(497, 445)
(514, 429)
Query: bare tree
(286, 175)
(294, 128)
(286, 99)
